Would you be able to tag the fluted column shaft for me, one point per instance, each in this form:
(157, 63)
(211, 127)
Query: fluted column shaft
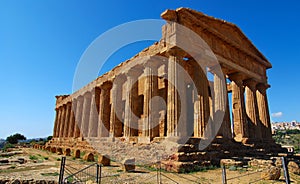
(93, 121)
(130, 120)
(252, 111)
(56, 122)
(238, 109)
(116, 125)
(173, 96)
(67, 119)
(104, 111)
(86, 114)
(263, 109)
(72, 119)
(62, 121)
(151, 115)
(78, 115)
(201, 104)
(221, 104)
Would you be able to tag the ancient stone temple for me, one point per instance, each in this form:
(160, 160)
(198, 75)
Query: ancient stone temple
(163, 102)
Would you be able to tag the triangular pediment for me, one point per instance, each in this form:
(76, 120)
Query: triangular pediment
(229, 32)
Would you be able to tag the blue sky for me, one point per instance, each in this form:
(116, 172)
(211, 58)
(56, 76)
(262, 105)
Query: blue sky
(41, 43)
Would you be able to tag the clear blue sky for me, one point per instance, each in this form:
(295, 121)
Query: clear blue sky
(41, 43)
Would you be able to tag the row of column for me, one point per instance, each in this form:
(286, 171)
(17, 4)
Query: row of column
(251, 119)
(100, 113)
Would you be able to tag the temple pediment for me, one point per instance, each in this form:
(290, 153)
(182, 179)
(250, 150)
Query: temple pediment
(223, 30)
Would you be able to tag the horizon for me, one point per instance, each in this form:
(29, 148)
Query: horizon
(42, 43)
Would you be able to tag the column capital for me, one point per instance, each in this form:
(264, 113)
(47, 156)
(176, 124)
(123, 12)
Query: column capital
(106, 85)
(134, 72)
(87, 95)
(262, 86)
(237, 77)
(174, 51)
(121, 78)
(251, 83)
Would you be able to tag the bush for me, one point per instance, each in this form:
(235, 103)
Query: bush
(8, 145)
(33, 157)
(49, 138)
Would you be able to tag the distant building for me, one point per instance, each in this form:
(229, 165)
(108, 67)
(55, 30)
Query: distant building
(276, 126)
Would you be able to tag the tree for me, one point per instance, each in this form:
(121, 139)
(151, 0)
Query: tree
(49, 138)
(14, 139)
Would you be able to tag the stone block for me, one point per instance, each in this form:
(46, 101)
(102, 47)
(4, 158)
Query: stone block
(294, 167)
(128, 164)
(272, 173)
(104, 160)
(89, 157)
(231, 162)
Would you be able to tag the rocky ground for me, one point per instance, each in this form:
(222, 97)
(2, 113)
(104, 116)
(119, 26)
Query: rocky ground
(41, 166)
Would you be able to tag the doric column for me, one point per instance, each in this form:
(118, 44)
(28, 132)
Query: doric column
(56, 123)
(78, 116)
(72, 119)
(131, 120)
(173, 98)
(86, 114)
(67, 119)
(238, 109)
(252, 111)
(116, 124)
(263, 109)
(151, 116)
(104, 110)
(93, 121)
(201, 103)
(221, 105)
(62, 121)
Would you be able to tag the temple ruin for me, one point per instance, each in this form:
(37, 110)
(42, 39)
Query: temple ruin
(139, 102)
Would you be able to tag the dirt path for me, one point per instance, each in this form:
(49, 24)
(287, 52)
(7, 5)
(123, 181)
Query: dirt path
(42, 165)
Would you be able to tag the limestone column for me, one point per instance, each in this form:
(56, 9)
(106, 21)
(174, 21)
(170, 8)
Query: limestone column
(263, 109)
(78, 116)
(62, 121)
(72, 119)
(201, 103)
(131, 120)
(151, 116)
(238, 109)
(86, 114)
(173, 98)
(220, 105)
(67, 119)
(252, 111)
(56, 123)
(104, 110)
(93, 121)
(116, 125)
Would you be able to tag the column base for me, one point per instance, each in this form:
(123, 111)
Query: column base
(144, 140)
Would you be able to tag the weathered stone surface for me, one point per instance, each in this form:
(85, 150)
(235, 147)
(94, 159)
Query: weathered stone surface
(231, 162)
(272, 173)
(67, 152)
(89, 157)
(294, 167)
(104, 160)
(260, 163)
(128, 164)
(76, 154)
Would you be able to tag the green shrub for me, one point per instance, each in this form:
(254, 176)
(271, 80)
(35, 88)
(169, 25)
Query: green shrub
(8, 145)
(33, 157)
